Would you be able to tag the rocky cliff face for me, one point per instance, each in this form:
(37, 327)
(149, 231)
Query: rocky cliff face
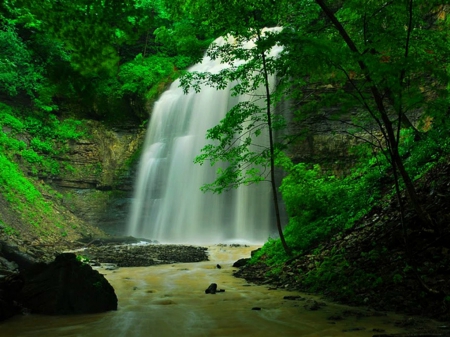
(330, 151)
(97, 187)
(322, 141)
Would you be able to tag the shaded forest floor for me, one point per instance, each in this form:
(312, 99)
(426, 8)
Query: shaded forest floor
(372, 265)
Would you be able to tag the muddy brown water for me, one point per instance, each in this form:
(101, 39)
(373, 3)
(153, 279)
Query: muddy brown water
(170, 300)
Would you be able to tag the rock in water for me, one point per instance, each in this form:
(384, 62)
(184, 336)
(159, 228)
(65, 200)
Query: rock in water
(211, 289)
(240, 263)
(66, 286)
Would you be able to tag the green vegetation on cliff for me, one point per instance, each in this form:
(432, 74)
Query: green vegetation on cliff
(29, 147)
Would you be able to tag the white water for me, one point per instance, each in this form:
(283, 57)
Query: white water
(168, 205)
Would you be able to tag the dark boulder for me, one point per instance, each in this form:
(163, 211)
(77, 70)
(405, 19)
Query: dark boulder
(240, 263)
(212, 289)
(9, 288)
(66, 286)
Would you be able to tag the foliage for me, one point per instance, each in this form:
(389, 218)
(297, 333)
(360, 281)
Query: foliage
(331, 276)
(14, 183)
(138, 76)
(90, 30)
(8, 230)
(380, 63)
(181, 39)
(421, 155)
(115, 54)
(241, 139)
(19, 71)
(46, 138)
(383, 62)
(234, 17)
(320, 206)
(83, 259)
(271, 253)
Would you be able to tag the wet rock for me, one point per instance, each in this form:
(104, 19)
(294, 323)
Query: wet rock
(109, 266)
(211, 289)
(256, 273)
(12, 252)
(9, 266)
(293, 298)
(145, 255)
(240, 263)
(66, 286)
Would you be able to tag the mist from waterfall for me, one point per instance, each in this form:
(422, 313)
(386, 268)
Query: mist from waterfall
(168, 205)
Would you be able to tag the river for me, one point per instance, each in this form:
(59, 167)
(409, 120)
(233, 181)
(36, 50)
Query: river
(170, 300)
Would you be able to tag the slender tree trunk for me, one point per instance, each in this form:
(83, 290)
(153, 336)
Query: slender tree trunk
(411, 191)
(272, 155)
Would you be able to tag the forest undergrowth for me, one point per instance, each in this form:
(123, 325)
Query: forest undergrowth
(369, 261)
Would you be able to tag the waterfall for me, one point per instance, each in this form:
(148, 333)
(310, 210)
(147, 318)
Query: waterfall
(168, 205)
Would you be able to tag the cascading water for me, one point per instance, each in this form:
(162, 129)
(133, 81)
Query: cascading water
(168, 205)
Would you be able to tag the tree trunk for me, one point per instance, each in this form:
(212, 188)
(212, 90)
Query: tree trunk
(272, 156)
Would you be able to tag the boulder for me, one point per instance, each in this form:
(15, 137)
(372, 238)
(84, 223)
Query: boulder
(240, 263)
(9, 288)
(66, 286)
(212, 289)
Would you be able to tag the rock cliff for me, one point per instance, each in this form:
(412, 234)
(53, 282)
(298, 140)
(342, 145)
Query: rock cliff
(98, 185)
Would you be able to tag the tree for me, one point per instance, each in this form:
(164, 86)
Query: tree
(238, 139)
(24, 62)
(384, 60)
(114, 54)
(92, 30)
